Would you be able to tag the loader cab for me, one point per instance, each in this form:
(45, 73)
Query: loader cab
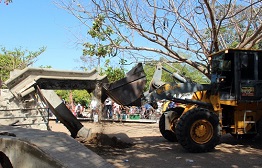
(237, 74)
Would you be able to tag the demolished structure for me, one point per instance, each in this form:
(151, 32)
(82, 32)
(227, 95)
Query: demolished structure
(32, 95)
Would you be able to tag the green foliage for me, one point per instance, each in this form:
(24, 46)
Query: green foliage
(63, 94)
(188, 72)
(191, 73)
(149, 70)
(100, 33)
(78, 96)
(16, 59)
(113, 74)
(258, 46)
(5, 62)
(81, 96)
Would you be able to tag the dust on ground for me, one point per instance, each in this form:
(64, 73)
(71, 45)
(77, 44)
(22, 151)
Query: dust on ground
(141, 145)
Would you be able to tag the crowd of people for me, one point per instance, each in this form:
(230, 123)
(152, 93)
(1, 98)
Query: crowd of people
(112, 110)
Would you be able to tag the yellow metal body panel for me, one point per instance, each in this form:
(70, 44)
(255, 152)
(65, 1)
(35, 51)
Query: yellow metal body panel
(254, 111)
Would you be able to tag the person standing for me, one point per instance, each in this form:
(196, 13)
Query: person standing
(159, 106)
(78, 110)
(116, 109)
(93, 106)
(171, 105)
(108, 108)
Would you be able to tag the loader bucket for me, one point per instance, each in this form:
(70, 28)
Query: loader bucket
(129, 90)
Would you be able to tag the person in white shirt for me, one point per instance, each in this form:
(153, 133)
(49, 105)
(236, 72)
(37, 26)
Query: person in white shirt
(116, 109)
(108, 108)
(78, 110)
(93, 106)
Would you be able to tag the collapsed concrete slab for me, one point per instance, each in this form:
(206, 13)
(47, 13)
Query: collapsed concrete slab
(22, 82)
(30, 148)
(37, 84)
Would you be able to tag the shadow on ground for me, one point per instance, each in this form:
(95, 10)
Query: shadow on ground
(155, 151)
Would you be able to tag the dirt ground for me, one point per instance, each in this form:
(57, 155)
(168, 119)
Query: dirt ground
(140, 145)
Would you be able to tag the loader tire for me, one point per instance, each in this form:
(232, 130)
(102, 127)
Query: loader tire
(198, 130)
(170, 135)
(167, 134)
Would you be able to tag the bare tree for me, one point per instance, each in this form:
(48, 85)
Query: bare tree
(6, 1)
(164, 27)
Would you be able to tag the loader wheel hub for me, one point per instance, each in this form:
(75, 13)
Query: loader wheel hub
(201, 131)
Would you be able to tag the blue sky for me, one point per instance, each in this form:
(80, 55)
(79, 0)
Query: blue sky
(32, 24)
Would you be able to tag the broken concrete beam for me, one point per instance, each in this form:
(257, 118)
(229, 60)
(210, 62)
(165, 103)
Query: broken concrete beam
(64, 115)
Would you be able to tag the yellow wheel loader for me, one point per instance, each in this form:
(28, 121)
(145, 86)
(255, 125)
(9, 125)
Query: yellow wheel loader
(231, 103)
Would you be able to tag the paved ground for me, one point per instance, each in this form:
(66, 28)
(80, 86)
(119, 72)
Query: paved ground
(58, 146)
(151, 150)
